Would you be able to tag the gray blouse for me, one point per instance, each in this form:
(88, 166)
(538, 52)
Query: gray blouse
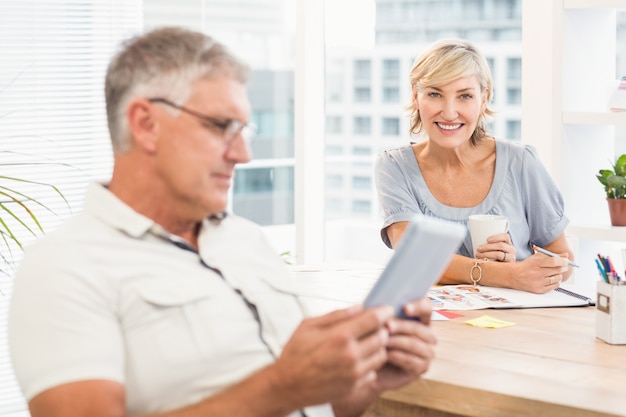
(522, 190)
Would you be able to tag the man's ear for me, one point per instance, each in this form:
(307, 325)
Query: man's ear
(142, 124)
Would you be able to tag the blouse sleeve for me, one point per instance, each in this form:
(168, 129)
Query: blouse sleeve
(544, 205)
(398, 198)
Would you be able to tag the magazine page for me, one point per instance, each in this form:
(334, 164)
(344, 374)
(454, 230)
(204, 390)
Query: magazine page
(469, 297)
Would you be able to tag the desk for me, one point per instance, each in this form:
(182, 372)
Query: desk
(548, 364)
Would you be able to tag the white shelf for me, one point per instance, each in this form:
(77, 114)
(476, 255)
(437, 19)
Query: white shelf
(598, 232)
(594, 4)
(597, 118)
(572, 58)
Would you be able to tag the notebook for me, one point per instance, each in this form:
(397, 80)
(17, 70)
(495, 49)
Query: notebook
(469, 297)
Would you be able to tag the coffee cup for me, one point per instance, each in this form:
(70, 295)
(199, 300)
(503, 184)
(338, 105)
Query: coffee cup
(481, 226)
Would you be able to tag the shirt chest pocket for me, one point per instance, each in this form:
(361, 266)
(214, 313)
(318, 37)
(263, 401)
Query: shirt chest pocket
(170, 322)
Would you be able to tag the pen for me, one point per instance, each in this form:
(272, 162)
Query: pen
(617, 280)
(547, 252)
(605, 278)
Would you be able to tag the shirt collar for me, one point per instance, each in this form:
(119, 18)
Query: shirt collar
(107, 207)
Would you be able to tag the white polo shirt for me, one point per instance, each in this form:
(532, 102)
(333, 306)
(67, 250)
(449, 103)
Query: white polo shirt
(107, 296)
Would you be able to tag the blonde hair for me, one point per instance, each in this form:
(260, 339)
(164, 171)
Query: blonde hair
(443, 62)
(164, 63)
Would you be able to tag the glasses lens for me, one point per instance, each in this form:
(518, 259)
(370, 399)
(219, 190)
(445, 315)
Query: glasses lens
(235, 128)
(248, 131)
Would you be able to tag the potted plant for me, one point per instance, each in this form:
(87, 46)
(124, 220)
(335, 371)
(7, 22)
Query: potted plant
(614, 182)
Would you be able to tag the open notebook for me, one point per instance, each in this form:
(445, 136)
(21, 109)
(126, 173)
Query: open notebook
(468, 297)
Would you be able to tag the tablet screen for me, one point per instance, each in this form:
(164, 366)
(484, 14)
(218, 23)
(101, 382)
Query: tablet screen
(422, 255)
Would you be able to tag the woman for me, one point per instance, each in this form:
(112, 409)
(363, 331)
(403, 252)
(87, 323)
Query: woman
(459, 170)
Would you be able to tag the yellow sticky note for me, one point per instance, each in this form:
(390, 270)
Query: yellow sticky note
(489, 322)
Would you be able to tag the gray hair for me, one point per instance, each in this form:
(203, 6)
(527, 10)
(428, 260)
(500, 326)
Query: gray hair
(164, 62)
(443, 62)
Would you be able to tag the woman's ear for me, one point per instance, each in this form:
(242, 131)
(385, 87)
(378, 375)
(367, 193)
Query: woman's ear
(485, 95)
(142, 124)
(414, 98)
(414, 95)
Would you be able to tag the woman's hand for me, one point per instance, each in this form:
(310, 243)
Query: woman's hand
(540, 273)
(498, 247)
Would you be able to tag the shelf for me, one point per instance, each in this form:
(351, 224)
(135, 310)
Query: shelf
(598, 232)
(594, 118)
(594, 4)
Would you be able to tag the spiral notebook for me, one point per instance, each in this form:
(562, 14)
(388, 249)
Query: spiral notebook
(469, 297)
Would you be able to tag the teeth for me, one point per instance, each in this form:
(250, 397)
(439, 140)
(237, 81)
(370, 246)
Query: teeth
(449, 127)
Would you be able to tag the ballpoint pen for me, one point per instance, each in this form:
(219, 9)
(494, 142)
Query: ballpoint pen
(547, 252)
(603, 274)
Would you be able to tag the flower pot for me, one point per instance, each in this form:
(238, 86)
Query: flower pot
(617, 210)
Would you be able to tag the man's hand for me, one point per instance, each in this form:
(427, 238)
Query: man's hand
(330, 356)
(410, 350)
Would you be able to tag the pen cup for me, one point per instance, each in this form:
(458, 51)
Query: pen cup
(611, 313)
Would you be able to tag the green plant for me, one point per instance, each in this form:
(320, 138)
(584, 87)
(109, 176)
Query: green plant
(18, 214)
(614, 180)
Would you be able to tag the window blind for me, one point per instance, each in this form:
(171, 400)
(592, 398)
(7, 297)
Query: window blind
(52, 119)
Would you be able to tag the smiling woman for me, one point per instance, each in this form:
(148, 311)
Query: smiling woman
(459, 169)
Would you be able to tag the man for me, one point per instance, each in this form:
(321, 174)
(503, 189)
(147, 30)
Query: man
(154, 302)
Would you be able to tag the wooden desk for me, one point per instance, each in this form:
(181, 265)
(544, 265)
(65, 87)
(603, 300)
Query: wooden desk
(548, 364)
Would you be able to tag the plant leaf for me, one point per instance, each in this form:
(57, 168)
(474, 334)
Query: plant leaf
(620, 166)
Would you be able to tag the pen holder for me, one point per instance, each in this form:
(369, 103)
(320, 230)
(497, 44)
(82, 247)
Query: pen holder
(611, 313)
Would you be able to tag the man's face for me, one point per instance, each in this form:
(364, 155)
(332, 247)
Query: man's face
(194, 160)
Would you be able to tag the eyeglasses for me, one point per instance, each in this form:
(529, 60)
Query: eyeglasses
(230, 128)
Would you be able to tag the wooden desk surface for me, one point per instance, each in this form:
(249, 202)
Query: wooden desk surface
(548, 364)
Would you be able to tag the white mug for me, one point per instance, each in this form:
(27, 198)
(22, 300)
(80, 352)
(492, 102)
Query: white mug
(481, 226)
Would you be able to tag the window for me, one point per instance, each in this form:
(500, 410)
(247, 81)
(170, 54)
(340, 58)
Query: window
(514, 69)
(474, 9)
(514, 96)
(334, 181)
(362, 95)
(334, 150)
(513, 129)
(361, 183)
(334, 204)
(361, 206)
(334, 80)
(508, 9)
(391, 94)
(362, 125)
(334, 124)
(391, 126)
(362, 69)
(391, 69)
(265, 194)
(52, 113)
(362, 150)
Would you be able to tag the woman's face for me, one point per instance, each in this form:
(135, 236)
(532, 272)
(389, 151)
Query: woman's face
(450, 112)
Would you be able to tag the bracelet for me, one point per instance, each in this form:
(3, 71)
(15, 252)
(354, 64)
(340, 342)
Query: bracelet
(476, 266)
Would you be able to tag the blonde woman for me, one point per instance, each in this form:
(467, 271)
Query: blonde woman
(457, 169)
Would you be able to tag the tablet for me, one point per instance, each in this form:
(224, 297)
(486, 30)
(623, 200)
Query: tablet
(422, 255)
